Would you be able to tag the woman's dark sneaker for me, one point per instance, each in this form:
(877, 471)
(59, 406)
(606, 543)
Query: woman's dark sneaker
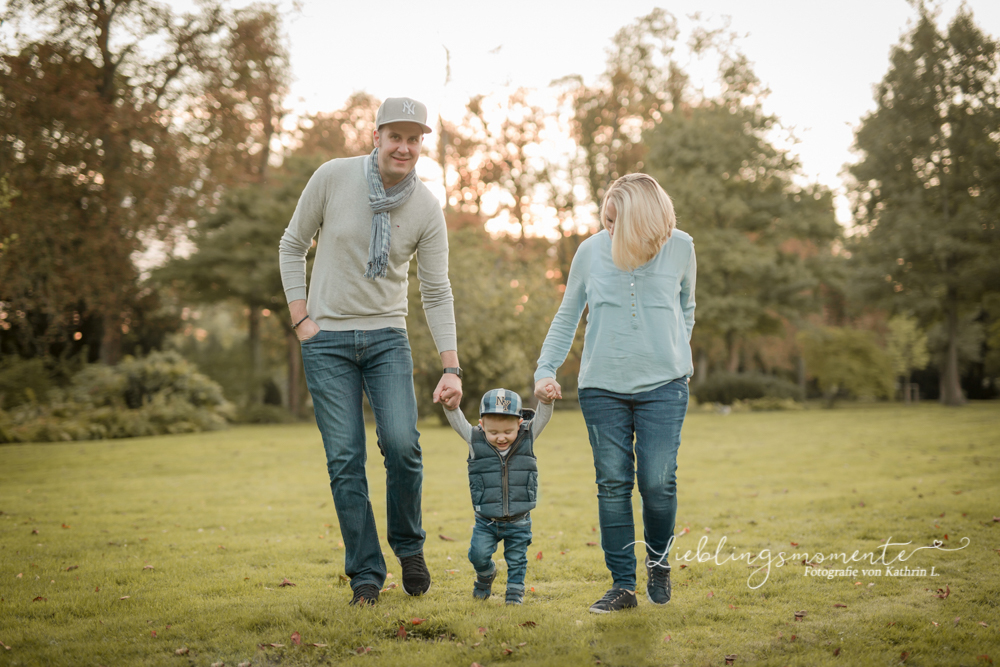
(657, 583)
(614, 600)
(515, 596)
(484, 585)
(365, 595)
(416, 578)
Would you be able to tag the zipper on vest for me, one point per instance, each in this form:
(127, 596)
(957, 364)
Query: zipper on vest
(504, 491)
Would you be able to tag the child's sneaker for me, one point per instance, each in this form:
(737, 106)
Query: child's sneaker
(515, 596)
(484, 585)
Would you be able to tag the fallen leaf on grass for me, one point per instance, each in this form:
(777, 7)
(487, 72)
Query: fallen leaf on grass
(152, 633)
(730, 659)
(218, 664)
(297, 639)
(390, 586)
(942, 593)
(957, 619)
(683, 566)
(245, 664)
(983, 624)
(985, 658)
(40, 599)
(794, 544)
(125, 597)
(34, 531)
(148, 567)
(667, 638)
(316, 645)
(446, 538)
(711, 594)
(508, 651)
(401, 633)
(793, 638)
(528, 624)
(344, 578)
(451, 571)
(361, 650)
(19, 575)
(903, 656)
(935, 624)
(65, 526)
(475, 664)
(522, 644)
(538, 556)
(482, 631)
(841, 606)
(6, 648)
(799, 615)
(285, 582)
(417, 621)
(272, 645)
(72, 567)
(836, 652)
(475, 645)
(591, 544)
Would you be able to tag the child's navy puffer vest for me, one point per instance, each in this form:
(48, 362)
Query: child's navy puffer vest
(503, 487)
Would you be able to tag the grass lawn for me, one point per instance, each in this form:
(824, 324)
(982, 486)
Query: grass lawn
(123, 552)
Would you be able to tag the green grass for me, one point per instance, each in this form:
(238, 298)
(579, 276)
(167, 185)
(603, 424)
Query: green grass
(191, 536)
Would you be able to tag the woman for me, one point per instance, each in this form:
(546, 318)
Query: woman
(637, 277)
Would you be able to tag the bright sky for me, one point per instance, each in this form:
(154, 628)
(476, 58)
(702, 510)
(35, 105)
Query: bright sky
(820, 59)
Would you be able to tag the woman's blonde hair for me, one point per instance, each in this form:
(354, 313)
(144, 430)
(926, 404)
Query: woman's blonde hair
(644, 221)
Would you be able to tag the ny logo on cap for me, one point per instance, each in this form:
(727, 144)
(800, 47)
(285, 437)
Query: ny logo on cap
(408, 107)
(503, 403)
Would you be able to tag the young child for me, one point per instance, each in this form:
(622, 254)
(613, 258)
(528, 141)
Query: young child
(503, 479)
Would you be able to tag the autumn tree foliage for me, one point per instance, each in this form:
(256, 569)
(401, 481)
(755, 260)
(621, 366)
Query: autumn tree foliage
(119, 119)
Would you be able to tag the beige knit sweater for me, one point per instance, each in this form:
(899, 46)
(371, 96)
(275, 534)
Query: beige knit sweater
(335, 204)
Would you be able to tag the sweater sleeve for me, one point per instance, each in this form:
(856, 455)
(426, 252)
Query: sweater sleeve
(461, 426)
(542, 416)
(435, 288)
(298, 236)
(559, 339)
(687, 293)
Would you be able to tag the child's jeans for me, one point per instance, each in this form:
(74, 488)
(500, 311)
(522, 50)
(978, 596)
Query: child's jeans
(516, 536)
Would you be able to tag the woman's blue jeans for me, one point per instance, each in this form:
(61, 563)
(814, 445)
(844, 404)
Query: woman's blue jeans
(339, 366)
(654, 418)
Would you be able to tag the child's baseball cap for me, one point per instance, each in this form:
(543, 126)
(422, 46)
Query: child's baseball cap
(500, 402)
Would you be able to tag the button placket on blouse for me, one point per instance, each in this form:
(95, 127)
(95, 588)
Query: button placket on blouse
(631, 282)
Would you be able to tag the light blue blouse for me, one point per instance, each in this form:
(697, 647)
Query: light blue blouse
(639, 323)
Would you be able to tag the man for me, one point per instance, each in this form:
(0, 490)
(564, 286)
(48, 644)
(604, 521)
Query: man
(372, 215)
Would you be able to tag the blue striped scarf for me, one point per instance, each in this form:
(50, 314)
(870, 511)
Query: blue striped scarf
(382, 201)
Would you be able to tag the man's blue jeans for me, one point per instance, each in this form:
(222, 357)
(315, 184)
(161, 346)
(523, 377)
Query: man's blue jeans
(339, 365)
(516, 536)
(654, 418)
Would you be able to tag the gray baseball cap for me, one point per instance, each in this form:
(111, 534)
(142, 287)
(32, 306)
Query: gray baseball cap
(402, 110)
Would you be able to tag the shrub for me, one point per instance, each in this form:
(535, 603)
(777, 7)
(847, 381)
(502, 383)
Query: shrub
(159, 394)
(726, 388)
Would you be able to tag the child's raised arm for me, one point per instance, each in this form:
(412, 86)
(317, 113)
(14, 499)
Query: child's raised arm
(541, 418)
(461, 425)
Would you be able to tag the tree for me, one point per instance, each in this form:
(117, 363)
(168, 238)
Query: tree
(92, 139)
(927, 238)
(846, 360)
(763, 241)
(907, 348)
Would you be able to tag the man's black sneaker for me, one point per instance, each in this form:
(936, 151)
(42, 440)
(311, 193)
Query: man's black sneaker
(657, 583)
(416, 578)
(614, 600)
(365, 595)
(484, 585)
(515, 596)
